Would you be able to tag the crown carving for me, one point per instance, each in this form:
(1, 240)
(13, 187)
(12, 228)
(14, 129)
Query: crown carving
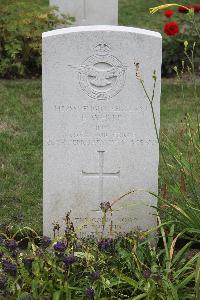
(102, 49)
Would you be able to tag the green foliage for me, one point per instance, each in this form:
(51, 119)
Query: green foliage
(181, 193)
(173, 46)
(21, 26)
(71, 268)
(182, 185)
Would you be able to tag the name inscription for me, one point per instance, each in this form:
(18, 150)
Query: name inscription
(98, 125)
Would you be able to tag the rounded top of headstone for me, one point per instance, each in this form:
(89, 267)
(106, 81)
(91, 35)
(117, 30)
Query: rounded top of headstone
(108, 28)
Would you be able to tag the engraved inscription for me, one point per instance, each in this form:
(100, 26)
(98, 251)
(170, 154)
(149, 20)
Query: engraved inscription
(102, 76)
(101, 174)
(107, 125)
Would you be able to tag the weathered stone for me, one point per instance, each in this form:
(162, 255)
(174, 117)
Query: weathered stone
(99, 136)
(89, 12)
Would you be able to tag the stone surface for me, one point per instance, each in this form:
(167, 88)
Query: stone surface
(89, 12)
(99, 137)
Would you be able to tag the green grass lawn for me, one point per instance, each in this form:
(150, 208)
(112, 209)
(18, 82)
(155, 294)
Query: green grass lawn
(21, 144)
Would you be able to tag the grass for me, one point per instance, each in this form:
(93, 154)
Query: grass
(21, 152)
(21, 144)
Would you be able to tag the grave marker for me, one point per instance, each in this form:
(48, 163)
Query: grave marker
(89, 12)
(99, 136)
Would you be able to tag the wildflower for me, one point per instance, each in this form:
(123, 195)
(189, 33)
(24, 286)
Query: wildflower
(69, 260)
(9, 267)
(171, 28)
(28, 261)
(94, 275)
(185, 9)
(105, 245)
(11, 244)
(45, 242)
(3, 281)
(14, 253)
(168, 13)
(60, 246)
(157, 276)
(105, 206)
(196, 8)
(146, 273)
(89, 294)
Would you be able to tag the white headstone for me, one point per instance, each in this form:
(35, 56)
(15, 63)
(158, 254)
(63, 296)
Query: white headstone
(89, 12)
(99, 136)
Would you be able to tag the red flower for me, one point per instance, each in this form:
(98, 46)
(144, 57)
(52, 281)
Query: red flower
(184, 10)
(171, 28)
(168, 13)
(196, 8)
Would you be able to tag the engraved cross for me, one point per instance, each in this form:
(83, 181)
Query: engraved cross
(101, 174)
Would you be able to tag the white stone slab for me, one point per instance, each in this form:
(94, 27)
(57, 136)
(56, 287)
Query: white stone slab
(89, 12)
(99, 137)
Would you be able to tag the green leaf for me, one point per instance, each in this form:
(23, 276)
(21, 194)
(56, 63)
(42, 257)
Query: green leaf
(56, 295)
(181, 253)
(197, 279)
(141, 296)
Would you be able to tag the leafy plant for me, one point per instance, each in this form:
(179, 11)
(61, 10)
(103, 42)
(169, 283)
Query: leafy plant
(21, 27)
(162, 273)
(181, 192)
(188, 28)
(130, 267)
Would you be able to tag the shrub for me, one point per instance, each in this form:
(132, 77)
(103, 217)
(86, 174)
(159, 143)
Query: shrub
(176, 32)
(21, 26)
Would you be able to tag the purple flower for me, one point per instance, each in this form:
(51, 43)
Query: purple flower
(28, 261)
(105, 245)
(3, 282)
(9, 267)
(45, 242)
(69, 260)
(11, 244)
(157, 276)
(89, 294)
(60, 246)
(14, 253)
(146, 273)
(95, 275)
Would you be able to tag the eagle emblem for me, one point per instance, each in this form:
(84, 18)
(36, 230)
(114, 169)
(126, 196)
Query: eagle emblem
(102, 76)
